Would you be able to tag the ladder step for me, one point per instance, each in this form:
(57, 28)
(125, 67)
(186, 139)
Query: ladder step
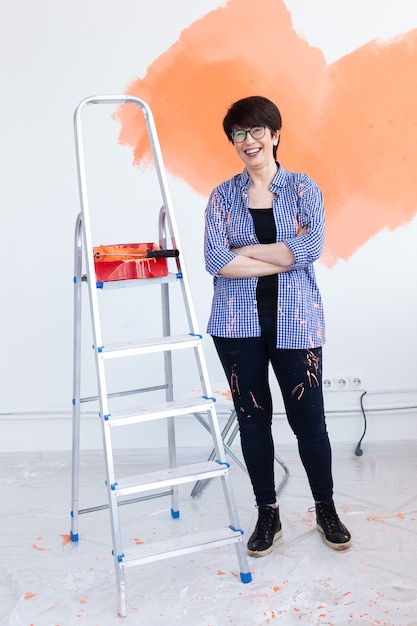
(146, 346)
(176, 546)
(167, 409)
(171, 476)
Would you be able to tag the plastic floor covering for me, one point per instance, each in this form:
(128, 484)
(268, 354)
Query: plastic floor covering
(47, 580)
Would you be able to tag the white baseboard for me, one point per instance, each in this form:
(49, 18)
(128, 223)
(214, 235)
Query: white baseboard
(37, 433)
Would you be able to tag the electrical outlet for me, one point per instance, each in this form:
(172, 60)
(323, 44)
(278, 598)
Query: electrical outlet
(341, 383)
(327, 384)
(356, 382)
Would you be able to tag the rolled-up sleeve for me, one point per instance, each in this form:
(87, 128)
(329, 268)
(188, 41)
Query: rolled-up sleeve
(216, 243)
(308, 247)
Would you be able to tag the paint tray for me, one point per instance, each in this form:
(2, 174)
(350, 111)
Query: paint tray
(129, 261)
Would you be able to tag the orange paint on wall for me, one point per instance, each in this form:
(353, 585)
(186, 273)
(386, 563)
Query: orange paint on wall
(352, 125)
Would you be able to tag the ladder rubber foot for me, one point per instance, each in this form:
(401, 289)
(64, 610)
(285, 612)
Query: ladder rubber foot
(175, 514)
(73, 536)
(246, 578)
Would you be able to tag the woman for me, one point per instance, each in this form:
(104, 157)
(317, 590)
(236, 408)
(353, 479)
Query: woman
(264, 229)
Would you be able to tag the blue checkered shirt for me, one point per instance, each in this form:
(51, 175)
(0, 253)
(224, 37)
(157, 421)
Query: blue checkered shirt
(229, 224)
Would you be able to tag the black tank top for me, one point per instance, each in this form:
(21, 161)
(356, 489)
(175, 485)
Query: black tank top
(267, 289)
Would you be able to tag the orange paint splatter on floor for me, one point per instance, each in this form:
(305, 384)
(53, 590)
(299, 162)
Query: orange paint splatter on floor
(36, 547)
(220, 573)
(65, 539)
(29, 595)
(341, 124)
(400, 515)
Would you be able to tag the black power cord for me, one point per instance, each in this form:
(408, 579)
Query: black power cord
(358, 450)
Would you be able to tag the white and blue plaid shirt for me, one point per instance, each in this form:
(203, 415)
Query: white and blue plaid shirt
(229, 224)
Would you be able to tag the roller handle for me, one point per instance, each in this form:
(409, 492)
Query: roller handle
(161, 254)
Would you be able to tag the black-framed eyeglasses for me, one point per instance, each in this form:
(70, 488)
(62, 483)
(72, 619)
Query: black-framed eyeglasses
(239, 135)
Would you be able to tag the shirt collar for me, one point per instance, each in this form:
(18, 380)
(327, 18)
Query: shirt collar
(278, 181)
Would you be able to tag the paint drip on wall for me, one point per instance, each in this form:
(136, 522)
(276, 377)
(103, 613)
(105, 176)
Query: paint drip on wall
(350, 125)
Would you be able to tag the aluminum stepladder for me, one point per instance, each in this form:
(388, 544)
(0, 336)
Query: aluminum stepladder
(163, 482)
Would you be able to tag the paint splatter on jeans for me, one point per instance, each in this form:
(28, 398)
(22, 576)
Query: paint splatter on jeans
(299, 373)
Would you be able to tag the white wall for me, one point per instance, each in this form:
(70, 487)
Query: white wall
(56, 54)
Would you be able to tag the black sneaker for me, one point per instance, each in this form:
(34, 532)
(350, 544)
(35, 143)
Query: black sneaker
(335, 534)
(267, 530)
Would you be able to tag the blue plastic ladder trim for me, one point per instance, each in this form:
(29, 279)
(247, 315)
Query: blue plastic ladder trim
(73, 402)
(223, 463)
(120, 557)
(99, 285)
(106, 417)
(237, 530)
(246, 577)
(209, 398)
(175, 514)
(75, 279)
(73, 536)
(179, 275)
(196, 335)
(100, 349)
(113, 486)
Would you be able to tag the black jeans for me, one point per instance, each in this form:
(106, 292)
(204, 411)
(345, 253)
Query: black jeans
(299, 374)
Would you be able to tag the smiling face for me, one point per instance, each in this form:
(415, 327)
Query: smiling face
(256, 153)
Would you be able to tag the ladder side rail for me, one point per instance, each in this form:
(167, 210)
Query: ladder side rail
(89, 259)
(172, 225)
(166, 312)
(84, 204)
(203, 371)
(227, 487)
(169, 396)
(199, 353)
(98, 344)
(168, 369)
(227, 484)
(76, 378)
(91, 278)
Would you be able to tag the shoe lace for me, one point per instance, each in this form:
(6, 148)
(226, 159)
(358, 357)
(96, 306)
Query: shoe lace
(265, 521)
(329, 517)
